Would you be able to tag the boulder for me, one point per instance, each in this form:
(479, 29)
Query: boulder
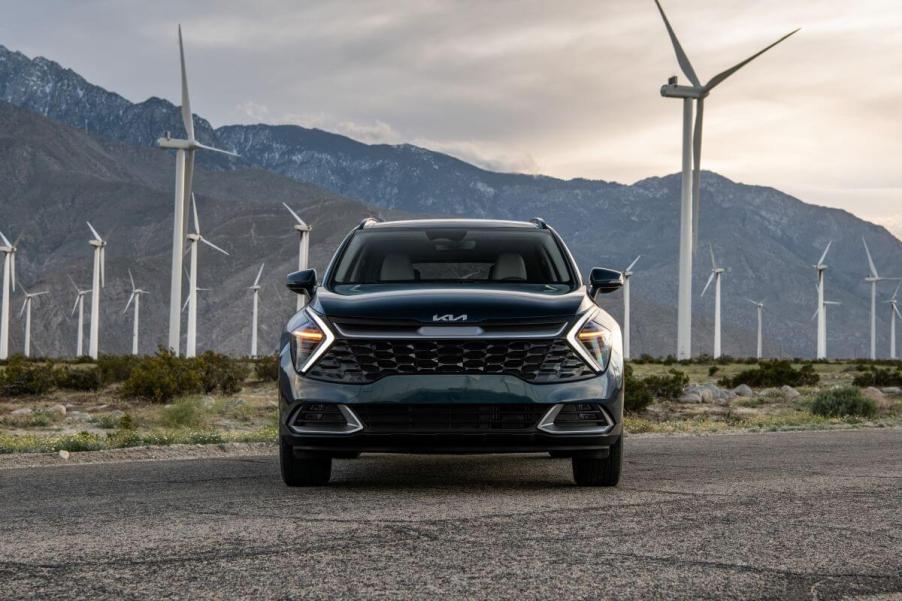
(58, 410)
(691, 397)
(79, 416)
(891, 390)
(706, 395)
(22, 411)
(64, 454)
(790, 393)
(743, 390)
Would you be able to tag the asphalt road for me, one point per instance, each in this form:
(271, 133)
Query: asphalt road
(782, 516)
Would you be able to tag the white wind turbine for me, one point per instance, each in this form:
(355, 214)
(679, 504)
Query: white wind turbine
(760, 305)
(715, 277)
(692, 149)
(136, 298)
(821, 315)
(627, 273)
(303, 231)
(894, 311)
(872, 278)
(80, 307)
(26, 309)
(256, 289)
(184, 170)
(9, 286)
(193, 239)
(98, 282)
(818, 312)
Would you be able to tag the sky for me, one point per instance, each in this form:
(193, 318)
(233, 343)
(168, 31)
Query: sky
(567, 88)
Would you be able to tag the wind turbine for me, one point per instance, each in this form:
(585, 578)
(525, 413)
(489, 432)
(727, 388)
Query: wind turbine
(894, 311)
(627, 273)
(873, 278)
(692, 150)
(303, 231)
(715, 277)
(136, 297)
(760, 305)
(823, 310)
(99, 281)
(80, 306)
(26, 309)
(256, 289)
(9, 286)
(821, 315)
(184, 170)
(193, 239)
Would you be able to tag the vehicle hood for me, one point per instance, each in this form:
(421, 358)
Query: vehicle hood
(452, 305)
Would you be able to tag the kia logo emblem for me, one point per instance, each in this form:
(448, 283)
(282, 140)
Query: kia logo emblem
(450, 317)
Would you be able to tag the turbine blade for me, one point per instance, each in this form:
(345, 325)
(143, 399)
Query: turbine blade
(75, 306)
(633, 264)
(210, 244)
(23, 289)
(713, 260)
(128, 304)
(22, 310)
(259, 273)
(870, 260)
(42, 293)
(682, 59)
(813, 315)
(708, 283)
(72, 281)
(131, 278)
(93, 231)
(187, 119)
(896, 291)
(896, 309)
(696, 169)
(103, 266)
(189, 179)
(295, 215)
(196, 220)
(717, 79)
(219, 150)
(12, 271)
(824, 256)
(832, 303)
(185, 306)
(6, 241)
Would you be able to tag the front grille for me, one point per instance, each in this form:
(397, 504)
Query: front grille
(439, 418)
(363, 361)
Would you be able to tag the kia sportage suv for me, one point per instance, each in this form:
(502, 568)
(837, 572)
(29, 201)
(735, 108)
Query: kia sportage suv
(451, 336)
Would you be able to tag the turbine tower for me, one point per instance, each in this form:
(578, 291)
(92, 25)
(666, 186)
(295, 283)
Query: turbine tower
(894, 311)
(256, 289)
(26, 309)
(99, 281)
(303, 231)
(136, 297)
(818, 312)
(184, 170)
(716, 272)
(821, 315)
(872, 278)
(80, 306)
(193, 239)
(9, 286)
(760, 305)
(627, 273)
(692, 149)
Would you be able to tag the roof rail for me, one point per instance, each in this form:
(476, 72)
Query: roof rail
(367, 221)
(539, 222)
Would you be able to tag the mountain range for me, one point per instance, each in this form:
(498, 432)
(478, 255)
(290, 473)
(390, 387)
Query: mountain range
(73, 150)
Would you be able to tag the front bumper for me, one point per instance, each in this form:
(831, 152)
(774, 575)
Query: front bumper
(605, 389)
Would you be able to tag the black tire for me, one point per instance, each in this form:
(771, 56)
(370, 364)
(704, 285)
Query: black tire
(307, 471)
(591, 471)
(559, 454)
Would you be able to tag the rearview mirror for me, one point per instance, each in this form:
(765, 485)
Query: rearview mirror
(302, 282)
(604, 280)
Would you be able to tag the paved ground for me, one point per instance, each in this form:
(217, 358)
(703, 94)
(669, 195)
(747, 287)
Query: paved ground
(782, 516)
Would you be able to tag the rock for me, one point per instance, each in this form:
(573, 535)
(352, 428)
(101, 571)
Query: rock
(22, 411)
(691, 397)
(58, 410)
(873, 393)
(790, 393)
(891, 390)
(117, 414)
(706, 395)
(79, 416)
(64, 454)
(743, 390)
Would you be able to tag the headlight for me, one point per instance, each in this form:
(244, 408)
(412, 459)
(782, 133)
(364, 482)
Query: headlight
(309, 341)
(593, 341)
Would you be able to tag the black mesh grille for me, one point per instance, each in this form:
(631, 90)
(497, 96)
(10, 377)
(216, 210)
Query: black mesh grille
(361, 361)
(581, 414)
(319, 414)
(458, 417)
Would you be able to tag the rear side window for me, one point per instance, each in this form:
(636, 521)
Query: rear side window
(452, 255)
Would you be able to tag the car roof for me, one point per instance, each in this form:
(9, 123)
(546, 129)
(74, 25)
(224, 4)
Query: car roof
(417, 224)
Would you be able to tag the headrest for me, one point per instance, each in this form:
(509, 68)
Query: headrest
(396, 267)
(509, 266)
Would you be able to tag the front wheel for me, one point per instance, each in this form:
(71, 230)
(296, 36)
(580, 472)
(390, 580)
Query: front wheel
(591, 471)
(306, 471)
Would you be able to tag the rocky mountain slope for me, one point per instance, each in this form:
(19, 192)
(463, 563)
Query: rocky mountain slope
(767, 239)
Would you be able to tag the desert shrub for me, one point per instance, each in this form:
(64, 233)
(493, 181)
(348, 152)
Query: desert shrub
(874, 376)
(185, 413)
(713, 370)
(116, 368)
(161, 378)
(266, 368)
(21, 377)
(77, 379)
(636, 396)
(773, 373)
(840, 402)
(667, 387)
(220, 373)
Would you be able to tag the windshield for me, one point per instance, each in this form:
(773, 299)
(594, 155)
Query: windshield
(493, 256)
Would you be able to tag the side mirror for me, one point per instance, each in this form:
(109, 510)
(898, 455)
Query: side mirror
(302, 282)
(604, 280)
